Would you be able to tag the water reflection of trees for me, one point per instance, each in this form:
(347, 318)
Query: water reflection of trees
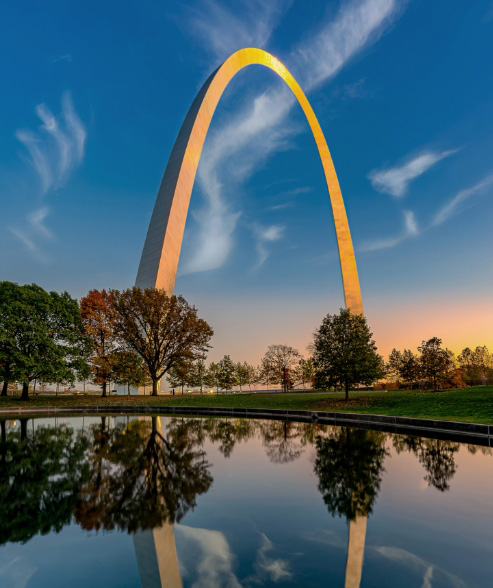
(152, 476)
(142, 474)
(436, 456)
(41, 471)
(349, 466)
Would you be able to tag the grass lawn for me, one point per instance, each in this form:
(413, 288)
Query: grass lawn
(473, 405)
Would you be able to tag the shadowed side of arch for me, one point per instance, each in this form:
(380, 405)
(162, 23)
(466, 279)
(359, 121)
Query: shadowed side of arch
(161, 253)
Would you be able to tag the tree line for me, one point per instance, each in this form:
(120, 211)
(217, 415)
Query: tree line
(437, 367)
(137, 337)
(131, 337)
(281, 365)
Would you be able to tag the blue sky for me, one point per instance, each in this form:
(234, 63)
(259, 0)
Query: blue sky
(93, 95)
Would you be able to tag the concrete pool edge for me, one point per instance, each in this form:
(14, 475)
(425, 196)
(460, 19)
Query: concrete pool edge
(446, 430)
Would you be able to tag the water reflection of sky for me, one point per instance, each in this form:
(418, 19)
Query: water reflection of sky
(275, 504)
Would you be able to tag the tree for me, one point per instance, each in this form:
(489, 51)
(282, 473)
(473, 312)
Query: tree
(9, 295)
(435, 361)
(164, 330)
(198, 374)
(403, 366)
(180, 374)
(212, 376)
(476, 364)
(304, 371)
(243, 373)
(410, 370)
(278, 362)
(394, 365)
(227, 373)
(41, 336)
(127, 369)
(345, 353)
(98, 317)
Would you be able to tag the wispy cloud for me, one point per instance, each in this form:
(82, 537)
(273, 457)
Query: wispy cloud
(16, 572)
(55, 150)
(65, 57)
(213, 564)
(224, 32)
(263, 236)
(266, 566)
(457, 203)
(35, 229)
(245, 141)
(58, 145)
(454, 206)
(410, 230)
(395, 180)
(357, 24)
(415, 563)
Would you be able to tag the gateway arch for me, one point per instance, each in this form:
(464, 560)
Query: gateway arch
(161, 253)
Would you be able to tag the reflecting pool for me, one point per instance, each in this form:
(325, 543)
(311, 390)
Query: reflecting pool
(170, 501)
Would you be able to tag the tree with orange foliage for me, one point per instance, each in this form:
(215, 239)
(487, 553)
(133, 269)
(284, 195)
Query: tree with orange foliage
(98, 317)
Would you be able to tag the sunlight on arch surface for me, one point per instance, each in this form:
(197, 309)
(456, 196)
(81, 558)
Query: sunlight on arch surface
(161, 253)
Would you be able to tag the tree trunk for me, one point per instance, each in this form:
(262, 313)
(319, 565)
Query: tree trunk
(154, 386)
(23, 429)
(347, 391)
(103, 395)
(25, 391)
(5, 388)
(182, 385)
(128, 388)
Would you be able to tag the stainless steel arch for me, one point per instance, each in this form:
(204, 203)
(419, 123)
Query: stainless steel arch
(161, 253)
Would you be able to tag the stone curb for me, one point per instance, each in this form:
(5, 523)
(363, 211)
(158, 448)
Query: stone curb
(451, 430)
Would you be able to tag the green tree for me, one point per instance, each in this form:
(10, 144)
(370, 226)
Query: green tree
(128, 369)
(42, 336)
(410, 369)
(476, 364)
(227, 373)
(212, 376)
(304, 371)
(9, 298)
(345, 353)
(180, 375)
(394, 365)
(164, 330)
(198, 375)
(243, 373)
(436, 362)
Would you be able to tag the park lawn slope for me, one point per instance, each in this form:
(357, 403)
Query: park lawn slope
(472, 405)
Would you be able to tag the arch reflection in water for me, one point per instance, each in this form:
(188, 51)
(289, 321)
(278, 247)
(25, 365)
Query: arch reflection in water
(143, 476)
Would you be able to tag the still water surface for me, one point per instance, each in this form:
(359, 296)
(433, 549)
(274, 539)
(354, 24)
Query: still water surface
(150, 501)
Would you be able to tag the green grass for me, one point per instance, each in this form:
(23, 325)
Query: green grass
(474, 405)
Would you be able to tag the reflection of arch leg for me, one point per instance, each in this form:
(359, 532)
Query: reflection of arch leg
(356, 551)
(161, 253)
(157, 559)
(156, 554)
